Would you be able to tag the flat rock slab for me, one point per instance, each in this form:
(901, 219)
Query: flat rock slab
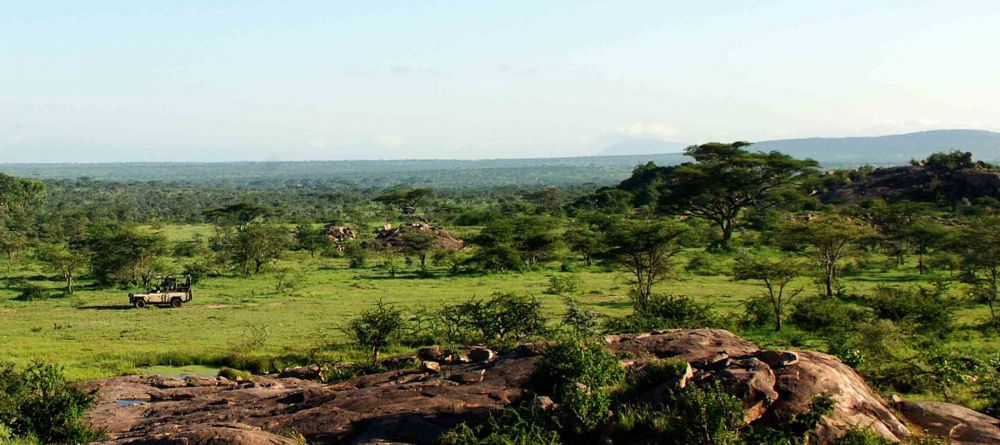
(416, 406)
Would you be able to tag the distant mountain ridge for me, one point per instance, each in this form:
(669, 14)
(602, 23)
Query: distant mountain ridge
(891, 149)
(882, 150)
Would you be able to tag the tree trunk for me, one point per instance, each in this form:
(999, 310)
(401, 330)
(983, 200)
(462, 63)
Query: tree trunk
(828, 281)
(727, 234)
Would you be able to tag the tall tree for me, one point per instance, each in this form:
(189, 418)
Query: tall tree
(61, 258)
(123, 254)
(723, 182)
(775, 274)
(404, 200)
(979, 244)
(257, 245)
(827, 240)
(644, 249)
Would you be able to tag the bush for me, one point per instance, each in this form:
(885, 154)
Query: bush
(510, 427)
(577, 320)
(703, 263)
(757, 312)
(502, 318)
(824, 313)
(376, 328)
(664, 311)
(38, 402)
(929, 311)
(33, 292)
(563, 284)
(580, 374)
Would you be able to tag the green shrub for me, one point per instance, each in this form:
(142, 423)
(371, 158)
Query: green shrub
(926, 310)
(376, 328)
(824, 313)
(580, 374)
(38, 402)
(498, 320)
(235, 375)
(664, 311)
(563, 284)
(858, 436)
(511, 426)
(578, 320)
(33, 292)
(757, 312)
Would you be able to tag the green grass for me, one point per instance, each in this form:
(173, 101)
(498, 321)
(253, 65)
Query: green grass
(95, 334)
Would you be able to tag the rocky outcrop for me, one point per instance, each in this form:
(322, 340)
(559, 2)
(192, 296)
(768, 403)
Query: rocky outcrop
(415, 406)
(920, 183)
(393, 238)
(957, 423)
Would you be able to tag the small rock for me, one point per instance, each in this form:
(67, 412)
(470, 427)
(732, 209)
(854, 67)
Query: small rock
(481, 355)
(543, 403)
(431, 367)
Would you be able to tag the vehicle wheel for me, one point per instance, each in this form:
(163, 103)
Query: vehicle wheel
(175, 302)
(139, 304)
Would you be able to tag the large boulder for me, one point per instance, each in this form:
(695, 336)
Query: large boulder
(415, 406)
(959, 424)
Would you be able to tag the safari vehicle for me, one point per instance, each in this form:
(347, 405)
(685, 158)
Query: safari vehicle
(170, 292)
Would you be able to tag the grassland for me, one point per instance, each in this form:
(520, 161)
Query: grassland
(94, 333)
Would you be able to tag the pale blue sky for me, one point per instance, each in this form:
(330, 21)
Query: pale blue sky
(216, 80)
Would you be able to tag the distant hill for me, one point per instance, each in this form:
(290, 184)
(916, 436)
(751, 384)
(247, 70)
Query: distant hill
(888, 150)
(642, 147)
(850, 151)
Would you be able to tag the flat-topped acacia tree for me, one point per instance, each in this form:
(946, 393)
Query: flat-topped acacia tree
(724, 181)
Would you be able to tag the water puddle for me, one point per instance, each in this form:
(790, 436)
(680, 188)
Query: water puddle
(130, 402)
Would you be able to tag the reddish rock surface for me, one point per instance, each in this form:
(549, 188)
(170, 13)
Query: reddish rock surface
(415, 406)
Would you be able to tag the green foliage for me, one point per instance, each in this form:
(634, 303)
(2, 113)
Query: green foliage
(563, 284)
(500, 319)
(827, 241)
(929, 311)
(356, 254)
(511, 426)
(513, 243)
(38, 402)
(235, 375)
(817, 314)
(578, 320)
(404, 200)
(664, 311)
(775, 275)
(33, 292)
(257, 245)
(375, 328)
(644, 250)
(579, 374)
(796, 430)
(122, 254)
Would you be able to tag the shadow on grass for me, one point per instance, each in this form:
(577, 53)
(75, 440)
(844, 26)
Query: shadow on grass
(108, 307)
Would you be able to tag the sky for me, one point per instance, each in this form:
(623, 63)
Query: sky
(101, 81)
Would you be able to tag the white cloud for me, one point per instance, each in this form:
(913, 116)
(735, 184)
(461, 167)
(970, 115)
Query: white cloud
(648, 130)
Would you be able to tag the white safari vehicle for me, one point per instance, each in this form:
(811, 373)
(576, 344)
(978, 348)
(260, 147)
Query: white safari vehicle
(170, 292)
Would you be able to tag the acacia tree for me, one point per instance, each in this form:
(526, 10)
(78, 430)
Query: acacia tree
(65, 261)
(374, 329)
(775, 274)
(979, 245)
(404, 200)
(724, 181)
(924, 235)
(644, 249)
(827, 240)
(257, 245)
(418, 243)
